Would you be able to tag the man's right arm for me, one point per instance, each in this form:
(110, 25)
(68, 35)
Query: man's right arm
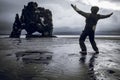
(79, 11)
(105, 16)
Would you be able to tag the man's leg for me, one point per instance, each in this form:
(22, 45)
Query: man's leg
(81, 42)
(92, 41)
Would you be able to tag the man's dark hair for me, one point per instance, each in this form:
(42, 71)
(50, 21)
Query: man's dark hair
(94, 9)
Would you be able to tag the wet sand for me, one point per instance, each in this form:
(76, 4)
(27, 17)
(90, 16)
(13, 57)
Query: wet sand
(58, 59)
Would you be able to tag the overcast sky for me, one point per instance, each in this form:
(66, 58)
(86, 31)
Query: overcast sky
(63, 15)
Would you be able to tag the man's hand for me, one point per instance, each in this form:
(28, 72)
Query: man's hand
(74, 6)
(111, 14)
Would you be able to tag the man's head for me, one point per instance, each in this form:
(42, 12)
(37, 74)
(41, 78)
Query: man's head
(94, 9)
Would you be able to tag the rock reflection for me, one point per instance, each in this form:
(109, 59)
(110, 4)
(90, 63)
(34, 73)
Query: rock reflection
(34, 56)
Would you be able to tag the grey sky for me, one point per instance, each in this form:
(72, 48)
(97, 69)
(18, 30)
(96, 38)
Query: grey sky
(63, 14)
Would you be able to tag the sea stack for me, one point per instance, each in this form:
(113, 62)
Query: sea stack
(33, 19)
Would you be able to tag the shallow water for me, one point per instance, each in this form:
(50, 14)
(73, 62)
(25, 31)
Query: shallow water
(58, 59)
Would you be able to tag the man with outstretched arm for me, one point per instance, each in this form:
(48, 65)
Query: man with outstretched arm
(89, 30)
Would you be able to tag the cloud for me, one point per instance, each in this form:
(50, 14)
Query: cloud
(106, 4)
(112, 0)
(63, 14)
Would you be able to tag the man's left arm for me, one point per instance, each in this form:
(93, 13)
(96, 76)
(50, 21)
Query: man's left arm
(105, 16)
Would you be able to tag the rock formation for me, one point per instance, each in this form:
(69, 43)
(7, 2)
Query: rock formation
(16, 31)
(33, 19)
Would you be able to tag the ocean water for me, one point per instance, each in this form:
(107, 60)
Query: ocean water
(58, 58)
(73, 36)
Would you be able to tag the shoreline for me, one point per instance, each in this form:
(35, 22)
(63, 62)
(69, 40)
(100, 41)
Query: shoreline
(111, 37)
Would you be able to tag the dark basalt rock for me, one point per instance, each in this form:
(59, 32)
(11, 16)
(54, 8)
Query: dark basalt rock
(16, 31)
(33, 19)
(39, 36)
(111, 71)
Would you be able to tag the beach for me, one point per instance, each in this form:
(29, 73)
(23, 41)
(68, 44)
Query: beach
(58, 59)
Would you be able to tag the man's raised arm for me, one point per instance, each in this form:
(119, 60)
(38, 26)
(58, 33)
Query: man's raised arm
(105, 16)
(79, 11)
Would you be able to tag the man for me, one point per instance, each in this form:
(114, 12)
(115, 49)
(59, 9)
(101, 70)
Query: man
(89, 30)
